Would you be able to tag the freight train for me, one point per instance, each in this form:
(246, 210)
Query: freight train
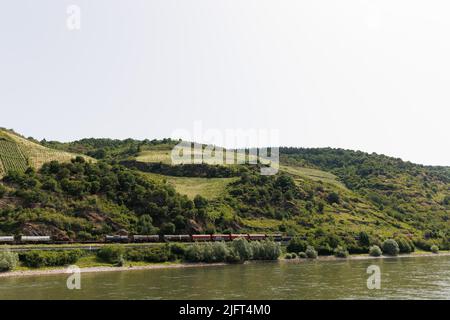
(149, 238)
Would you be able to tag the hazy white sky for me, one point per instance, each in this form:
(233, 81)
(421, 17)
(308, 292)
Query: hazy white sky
(366, 75)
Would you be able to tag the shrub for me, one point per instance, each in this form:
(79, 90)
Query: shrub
(37, 258)
(220, 251)
(423, 244)
(341, 252)
(296, 245)
(242, 248)
(194, 253)
(150, 254)
(177, 250)
(405, 245)
(8, 260)
(111, 253)
(434, 248)
(288, 256)
(311, 252)
(265, 250)
(375, 251)
(390, 247)
(302, 255)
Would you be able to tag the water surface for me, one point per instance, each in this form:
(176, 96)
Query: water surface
(401, 278)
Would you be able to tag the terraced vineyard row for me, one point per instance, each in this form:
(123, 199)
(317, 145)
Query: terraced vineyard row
(11, 157)
(36, 154)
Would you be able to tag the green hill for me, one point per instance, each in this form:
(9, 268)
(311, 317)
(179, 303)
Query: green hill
(327, 196)
(18, 153)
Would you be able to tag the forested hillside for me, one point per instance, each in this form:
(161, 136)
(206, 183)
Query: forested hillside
(327, 196)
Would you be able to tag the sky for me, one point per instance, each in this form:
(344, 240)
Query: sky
(362, 75)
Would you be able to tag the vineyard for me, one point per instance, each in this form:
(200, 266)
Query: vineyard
(11, 157)
(17, 153)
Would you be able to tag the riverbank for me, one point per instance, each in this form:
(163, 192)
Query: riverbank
(131, 267)
(49, 271)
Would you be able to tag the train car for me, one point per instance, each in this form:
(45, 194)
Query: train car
(201, 237)
(221, 237)
(145, 238)
(257, 237)
(116, 238)
(35, 239)
(275, 237)
(286, 238)
(240, 235)
(6, 239)
(177, 238)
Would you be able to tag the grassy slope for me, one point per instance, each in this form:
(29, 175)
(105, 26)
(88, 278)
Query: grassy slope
(208, 188)
(35, 154)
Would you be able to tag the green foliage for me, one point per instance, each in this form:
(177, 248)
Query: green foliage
(3, 191)
(434, 248)
(311, 253)
(302, 255)
(405, 245)
(238, 250)
(265, 250)
(38, 258)
(341, 252)
(333, 197)
(375, 251)
(151, 254)
(8, 260)
(242, 248)
(390, 247)
(177, 250)
(168, 228)
(111, 253)
(296, 245)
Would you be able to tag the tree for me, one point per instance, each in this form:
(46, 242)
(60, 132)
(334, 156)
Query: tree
(145, 224)
(390, 247)
(200, 202)
(333, 197)
(8, 260)
(168, 228)
(297, 245)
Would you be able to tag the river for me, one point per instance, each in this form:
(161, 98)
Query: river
(401, 278)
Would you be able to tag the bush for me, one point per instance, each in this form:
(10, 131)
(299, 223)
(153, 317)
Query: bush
(390, 247)
(177, 250)
(405, 245)
(151, 254)
(296, 245)
(341, 252)
(242, 248)
(375, 251)
(311, 253)
(288, 256)
(434, 248)
(8, 260)
(37, 258)
(265, 250)
(302, 255)
(111, 253)
(194, 253)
